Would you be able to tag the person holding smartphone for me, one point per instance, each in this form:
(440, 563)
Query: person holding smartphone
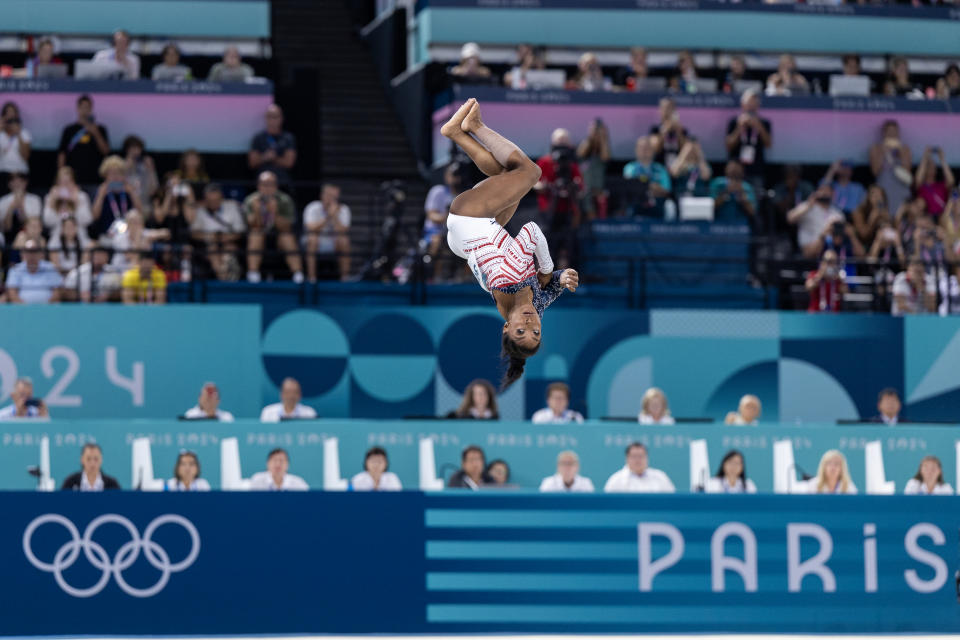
(826, 285)
(83, 144)
(24, 404)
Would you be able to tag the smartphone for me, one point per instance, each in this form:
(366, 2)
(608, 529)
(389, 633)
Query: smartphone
(33, 402)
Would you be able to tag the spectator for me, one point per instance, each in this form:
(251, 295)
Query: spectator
(914, 290)
(32, 230)
(594, 153)
(871, 214)
(128, 239)
(208, 406)
(192, 170)
(950, 222)
(270, 217)
(847, 194)
(851, 65)
(929, 480)
(18, 206)
(636, 70)
(731, 477)
(888, 408)
(890, 161)
(898, 81)
(690, 173)
(747, 412)
(289, 407)
(909, 219)
(231, 69)
(785, 81)
(934, 192)
(120, 55)
(637, 477)
(791, 192)
(45, 56)
(479, 402)
(145, 283)
(174, 212)
(651, 181)
(928, 246)
(685, 78)
(116, 196)
(748, 138)
(93, 281)
(827, 285)
(66, 200)
(558, 196)
(470, 67)
(326, 226)
(734, 200)
(375, 476)
(170, 70)
(186, 474)
(68, 249)
(528, 58)
(832, 475)
(472, 473)
(950, 293)
(83, 144)
(33, 281)
(140, 171)
(274, 149)
(841, 238)
(886, 252)
(654, 408)
(23, 404)
(218, 225)
(436, 208)
(91, 478)
(558, 409)
(567, 478)
(669, 135)
(736, 73)
(949, 85)
(589, 75)
(276, 478)
(813, 217)
(15, 142)
(499, 472)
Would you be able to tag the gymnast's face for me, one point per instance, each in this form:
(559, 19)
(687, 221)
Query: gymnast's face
(523, 326)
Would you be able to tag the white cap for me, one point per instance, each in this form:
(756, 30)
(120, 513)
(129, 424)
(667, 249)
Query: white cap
(559, 136)
(470, 50)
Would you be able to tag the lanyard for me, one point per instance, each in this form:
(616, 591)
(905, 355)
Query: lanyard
(116, 208)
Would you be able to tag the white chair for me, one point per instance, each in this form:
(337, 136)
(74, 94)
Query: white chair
(331, 466)
(699, 465)
(785, 469)
(231, 478)
(142, 474)
(428, 467)
(877, 483)
(45, 482)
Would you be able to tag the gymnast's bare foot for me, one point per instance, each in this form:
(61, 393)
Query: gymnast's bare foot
(472, 122)
(452, 128)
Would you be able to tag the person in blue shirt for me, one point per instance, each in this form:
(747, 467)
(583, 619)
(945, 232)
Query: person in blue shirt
(653, 185)
(847, 194)
(690, 171)
(33, 281)
(734, 199)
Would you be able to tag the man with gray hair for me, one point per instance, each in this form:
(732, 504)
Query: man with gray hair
(567, 478)
(24, 404)
(289, 407)
(558, 197)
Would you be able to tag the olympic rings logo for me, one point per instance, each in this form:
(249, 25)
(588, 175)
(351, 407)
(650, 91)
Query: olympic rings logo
(126, 555)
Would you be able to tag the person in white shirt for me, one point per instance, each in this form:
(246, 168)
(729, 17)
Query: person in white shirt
(833, 476)
(289, 407)
(654, 408)
(208, 406)
(731, 476)
(121, 55)
(888, 407)
(220, 225)
(637, 476)
(93, 281)
(65, 199)
(18, 204)
(914, 290)
(558, 409)
(22, 407)
(812, 216)
(326, 227)
(14, 141)
(747, 412)
(91, 477)
(186, 474)
(929, 480)
(276, 478)
(567, 478)
(375, 476)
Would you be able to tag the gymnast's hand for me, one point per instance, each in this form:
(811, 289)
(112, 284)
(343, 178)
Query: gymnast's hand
(569, 279)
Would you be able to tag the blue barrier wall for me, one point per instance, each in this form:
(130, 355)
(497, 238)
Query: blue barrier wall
(415, 563)
(530, 450)
(803, 367)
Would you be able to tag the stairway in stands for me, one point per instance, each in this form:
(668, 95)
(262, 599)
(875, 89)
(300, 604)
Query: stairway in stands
(327, 84)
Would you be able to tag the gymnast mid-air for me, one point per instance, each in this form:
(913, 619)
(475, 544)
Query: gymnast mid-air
(517, 272)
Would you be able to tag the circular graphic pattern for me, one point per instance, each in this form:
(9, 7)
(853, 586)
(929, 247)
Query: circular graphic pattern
(470, 349)
(393, 358)
(306, 345)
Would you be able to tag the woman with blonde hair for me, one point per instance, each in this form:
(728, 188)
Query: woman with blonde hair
(654, 408)
(929, 480)
(116, 196)
(833, 476)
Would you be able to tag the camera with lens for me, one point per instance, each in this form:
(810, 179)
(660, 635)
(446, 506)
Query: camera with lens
(563, 161)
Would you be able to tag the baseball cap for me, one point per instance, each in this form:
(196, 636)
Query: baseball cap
(470, 50)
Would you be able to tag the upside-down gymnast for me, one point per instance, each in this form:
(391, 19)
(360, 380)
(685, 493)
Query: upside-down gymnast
(517, 272)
